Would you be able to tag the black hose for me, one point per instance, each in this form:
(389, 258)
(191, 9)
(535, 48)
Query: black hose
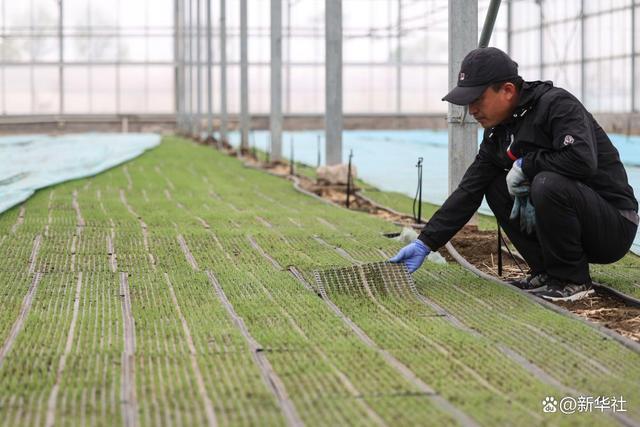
(499, 248)
(418, 197)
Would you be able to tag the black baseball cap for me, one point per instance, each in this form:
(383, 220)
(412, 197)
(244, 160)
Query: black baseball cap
(480, 68)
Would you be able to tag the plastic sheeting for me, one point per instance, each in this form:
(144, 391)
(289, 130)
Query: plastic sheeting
(31, 162)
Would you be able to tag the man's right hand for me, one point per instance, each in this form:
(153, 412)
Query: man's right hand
(412, 255)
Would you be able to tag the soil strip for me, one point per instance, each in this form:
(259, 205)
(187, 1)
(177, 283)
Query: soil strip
(24, 311)
(269, 375)
(34, 253)
(265, 255)
(125, 170)
(401, 368)
(79, 219)
(19, 220)
(143, 226)
(208, 405)
(344, 254)
(53, 396)
(348, 385)
(187, 253)
(128, 388)
(442, 350)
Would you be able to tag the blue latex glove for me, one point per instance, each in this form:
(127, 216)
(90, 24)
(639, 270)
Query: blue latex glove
(412, 255)
(516, 178)
(523, 209)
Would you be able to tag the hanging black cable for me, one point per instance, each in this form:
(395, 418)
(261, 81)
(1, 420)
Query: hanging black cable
(499, 248)
(513, 257)
(349, 178)
(418, 197)
(318, 162)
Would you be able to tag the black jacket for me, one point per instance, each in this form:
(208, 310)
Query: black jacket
(552, 131)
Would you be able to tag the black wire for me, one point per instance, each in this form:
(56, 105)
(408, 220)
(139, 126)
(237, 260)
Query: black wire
(499, 248)
(415, 198)
(511, 254)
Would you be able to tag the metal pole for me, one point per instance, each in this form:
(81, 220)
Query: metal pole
(509, 26)
(223, 71)
(61, 58)
(183, 67)
(489, 22)
(633, 57)
(118, 58)
(209, 79)
(183, 74)
(288, 63)
(176, 56)
(3, 96)
(333, 82)
(399, 61)
(541, 41)
(583, 51)
(190, 66)
(198, 124)
(32, 80)
(3, 87)
(244, 78)
(463, 136)
(276, 80)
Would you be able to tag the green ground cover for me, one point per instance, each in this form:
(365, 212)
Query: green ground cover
(165, 297)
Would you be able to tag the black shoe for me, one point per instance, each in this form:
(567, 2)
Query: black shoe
(565, 291)
(534, 282)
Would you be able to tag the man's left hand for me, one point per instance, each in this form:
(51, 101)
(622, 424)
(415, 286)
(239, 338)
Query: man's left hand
(516, 178)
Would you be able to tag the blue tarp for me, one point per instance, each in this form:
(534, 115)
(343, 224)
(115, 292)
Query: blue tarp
(387, 158)
(30, 162)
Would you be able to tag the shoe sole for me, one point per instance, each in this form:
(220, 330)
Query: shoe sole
(575, 297)
(538, 289)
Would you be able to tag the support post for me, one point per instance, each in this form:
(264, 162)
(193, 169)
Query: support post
(583, 52)
(209, 77)
(541, 38)
(244, 78)
(61, 58)
(223, 71)
(333, 82)
(190, 66)
(276, 80)
(176, 57)
(634, 101)
(399, 61)
(463, 137)
(198, 124)
(509, 26)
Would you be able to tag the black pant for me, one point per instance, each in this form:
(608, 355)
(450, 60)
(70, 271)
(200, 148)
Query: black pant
(574, 227)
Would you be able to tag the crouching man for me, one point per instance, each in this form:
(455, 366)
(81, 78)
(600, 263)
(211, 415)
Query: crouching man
(550, 174)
